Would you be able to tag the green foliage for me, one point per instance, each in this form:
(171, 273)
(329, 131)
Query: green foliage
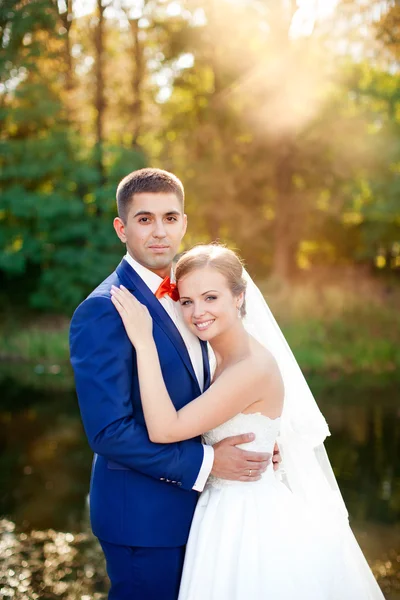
(288, 149)
(349, 327)
(56, 230)
(56, 222)
(35, 344)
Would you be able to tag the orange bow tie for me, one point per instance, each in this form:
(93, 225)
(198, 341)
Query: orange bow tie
(166, 288)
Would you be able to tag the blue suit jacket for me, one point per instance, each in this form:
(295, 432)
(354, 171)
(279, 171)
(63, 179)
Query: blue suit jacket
(140, 493)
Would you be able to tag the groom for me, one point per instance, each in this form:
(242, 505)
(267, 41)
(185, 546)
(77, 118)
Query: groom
(142, 494)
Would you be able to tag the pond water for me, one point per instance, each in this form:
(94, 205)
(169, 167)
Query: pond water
(45, 466)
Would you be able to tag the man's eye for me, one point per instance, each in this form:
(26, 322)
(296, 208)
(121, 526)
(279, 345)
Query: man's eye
(144, 220)
(171, 219)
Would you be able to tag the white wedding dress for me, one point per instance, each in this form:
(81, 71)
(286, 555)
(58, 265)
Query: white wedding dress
(259, 541)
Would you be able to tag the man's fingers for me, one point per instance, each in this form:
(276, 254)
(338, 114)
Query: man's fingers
(255, 469)
(244, 438)
(255, 456)
(257, 466)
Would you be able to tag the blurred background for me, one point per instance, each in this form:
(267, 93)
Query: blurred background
(282, 119)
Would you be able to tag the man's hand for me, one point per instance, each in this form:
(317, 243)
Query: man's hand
(236, 464)
(276, 458)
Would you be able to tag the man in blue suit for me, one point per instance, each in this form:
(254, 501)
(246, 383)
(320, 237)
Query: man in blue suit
(143, 495)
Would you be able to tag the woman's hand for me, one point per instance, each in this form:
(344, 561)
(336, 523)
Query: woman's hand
(135, 316)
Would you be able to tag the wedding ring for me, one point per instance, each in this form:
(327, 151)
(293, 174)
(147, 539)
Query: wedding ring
(250, 472)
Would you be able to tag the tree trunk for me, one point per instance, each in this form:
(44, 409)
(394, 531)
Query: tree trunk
(99, 92)
(283, 250)
(137, 83)
(66, 19)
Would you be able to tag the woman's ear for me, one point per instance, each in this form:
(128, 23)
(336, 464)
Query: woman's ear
(239, 302)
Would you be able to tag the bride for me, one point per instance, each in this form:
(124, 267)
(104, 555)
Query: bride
(286, 536)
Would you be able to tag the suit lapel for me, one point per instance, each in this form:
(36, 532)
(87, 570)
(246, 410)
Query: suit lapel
(206, 365)
(131, 280)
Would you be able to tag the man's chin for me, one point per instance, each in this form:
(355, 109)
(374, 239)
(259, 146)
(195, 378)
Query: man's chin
(152, 261)
(159, 261)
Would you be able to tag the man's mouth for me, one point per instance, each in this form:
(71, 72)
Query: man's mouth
(158, 248)
(204, 325)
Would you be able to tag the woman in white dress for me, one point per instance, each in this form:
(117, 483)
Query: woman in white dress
(285, 536)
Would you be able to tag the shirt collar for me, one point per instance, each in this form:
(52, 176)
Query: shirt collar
(152, 280)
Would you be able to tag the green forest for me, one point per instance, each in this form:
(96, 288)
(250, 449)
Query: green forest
(283, 125)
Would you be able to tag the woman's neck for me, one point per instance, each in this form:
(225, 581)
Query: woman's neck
(230, 346)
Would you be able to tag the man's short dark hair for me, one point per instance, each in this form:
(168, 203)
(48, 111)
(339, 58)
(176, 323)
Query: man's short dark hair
(146, 180)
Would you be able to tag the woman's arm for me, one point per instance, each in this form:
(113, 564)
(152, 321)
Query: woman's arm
(103, 361)
(237, 387)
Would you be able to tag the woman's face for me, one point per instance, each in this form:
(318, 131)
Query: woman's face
(208, 305)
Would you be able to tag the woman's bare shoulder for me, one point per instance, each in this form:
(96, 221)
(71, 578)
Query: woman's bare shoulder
(270, 379)
(263, 358)
(258, 365)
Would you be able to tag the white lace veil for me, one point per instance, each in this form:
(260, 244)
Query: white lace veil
(306, 469)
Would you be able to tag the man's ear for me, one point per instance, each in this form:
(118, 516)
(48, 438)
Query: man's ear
(119, 227)
(185, 224)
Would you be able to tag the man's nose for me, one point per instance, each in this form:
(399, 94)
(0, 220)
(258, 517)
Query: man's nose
(159, 230)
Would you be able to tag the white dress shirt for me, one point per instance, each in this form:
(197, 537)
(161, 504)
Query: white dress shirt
(192, 343)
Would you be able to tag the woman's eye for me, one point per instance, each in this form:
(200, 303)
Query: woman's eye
(211, 298)
(185, 303)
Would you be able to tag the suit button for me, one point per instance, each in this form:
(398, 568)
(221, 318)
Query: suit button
(162, 478)
(173, 481)
(179, 483)
(168, 480)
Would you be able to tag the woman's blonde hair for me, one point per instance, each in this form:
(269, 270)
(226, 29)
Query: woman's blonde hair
(224, 260)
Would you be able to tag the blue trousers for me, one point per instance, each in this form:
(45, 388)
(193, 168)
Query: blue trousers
(143, 573)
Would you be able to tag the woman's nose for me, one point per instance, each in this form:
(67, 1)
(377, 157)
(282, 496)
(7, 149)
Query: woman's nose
(198, 310)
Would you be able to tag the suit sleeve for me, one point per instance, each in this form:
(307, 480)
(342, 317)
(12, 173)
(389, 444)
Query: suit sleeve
(103, 360)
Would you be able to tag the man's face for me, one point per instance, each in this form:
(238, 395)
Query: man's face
(154, 228)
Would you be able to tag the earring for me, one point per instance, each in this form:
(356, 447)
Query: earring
(239, 308)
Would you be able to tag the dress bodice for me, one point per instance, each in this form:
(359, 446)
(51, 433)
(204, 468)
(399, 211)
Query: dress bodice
(266, 431)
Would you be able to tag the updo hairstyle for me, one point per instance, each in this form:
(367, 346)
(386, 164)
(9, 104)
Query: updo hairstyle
(218, 257)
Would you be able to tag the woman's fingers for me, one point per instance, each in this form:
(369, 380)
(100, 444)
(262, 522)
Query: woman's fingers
(123, 296)
(115, 300)
(120, 309)
(126, 301)
(127, 297)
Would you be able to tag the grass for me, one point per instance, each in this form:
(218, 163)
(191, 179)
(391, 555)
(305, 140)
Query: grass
(344, 326)
(351, 327)
(33, 344)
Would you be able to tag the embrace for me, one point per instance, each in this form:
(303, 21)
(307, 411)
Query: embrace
(269, 523)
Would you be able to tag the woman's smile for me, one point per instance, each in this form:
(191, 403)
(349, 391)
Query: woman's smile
(203, 325)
